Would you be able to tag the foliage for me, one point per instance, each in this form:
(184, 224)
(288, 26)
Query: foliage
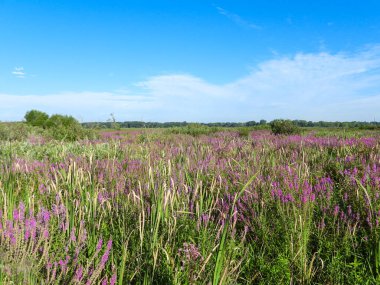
(244, 131)
(36, 118)
(148, 207)
(193, 130)
(262, 124)
(65, 128)
(59, 127)
(13, 131)
(284, 127)
(61, 120)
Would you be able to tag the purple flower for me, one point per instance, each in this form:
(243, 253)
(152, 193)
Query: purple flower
(45, 216)
(99, 245)
(105, 256)
(46, 233)
(78, 274)
(72, 235)
(336, 210)
(109, 245)
(113, 279)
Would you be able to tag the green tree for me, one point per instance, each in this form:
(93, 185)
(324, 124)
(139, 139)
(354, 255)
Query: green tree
(284, 127)
(62, 121)
(36, 118)
(263, 122)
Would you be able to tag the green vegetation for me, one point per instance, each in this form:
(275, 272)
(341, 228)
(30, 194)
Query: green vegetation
(36, 118)
(192, 205)
(262, 124)
(193, 130)
(188, 205)
(39, 125)
(13, 131)
(284, 127)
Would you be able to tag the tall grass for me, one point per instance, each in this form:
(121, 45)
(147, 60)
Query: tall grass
(210, 208)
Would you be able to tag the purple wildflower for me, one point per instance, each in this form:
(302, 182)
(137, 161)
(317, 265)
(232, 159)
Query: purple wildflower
(99, 245)
(78, 274)
(113, 279)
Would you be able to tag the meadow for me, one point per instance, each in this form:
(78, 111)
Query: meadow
(170, 207)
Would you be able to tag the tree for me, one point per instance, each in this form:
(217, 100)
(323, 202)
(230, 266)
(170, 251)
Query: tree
(36, 118)
(284, 127)
(250, 123)
(263, 122)
(61, 120)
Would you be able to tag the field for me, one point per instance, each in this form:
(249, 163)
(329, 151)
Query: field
(159, 207)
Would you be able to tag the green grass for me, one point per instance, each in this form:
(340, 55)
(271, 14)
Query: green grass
(194, 206)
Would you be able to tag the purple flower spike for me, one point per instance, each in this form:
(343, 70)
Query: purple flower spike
(78, 274)
(113, 279)
(99, 245)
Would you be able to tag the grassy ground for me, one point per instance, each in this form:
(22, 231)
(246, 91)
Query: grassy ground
(184, 206)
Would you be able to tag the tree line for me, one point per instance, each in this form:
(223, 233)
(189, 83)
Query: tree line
(261, 123)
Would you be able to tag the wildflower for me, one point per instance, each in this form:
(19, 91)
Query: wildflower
(99, 245)
(113, 279)
(190, 252)
(336, 210)
(106, 254)
(45, 233)
(78, 274)
(72, 235)
(19, 213)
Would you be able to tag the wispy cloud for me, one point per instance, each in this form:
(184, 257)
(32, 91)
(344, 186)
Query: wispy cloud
(320, 86)
(313, 86)
(237, 19)
(87, 105)
(19, 72)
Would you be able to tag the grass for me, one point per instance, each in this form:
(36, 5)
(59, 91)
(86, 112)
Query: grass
(191, 207)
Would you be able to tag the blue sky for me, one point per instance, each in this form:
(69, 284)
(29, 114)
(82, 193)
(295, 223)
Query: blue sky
(196, 60)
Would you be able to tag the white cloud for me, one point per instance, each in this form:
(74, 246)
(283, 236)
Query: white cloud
(19, 72)
(319, 86)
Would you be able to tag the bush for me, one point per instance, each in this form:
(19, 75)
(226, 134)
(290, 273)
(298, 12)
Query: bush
(193, 130)
(36, 118)
(13, 131)
(284, 127)
(59, 127)
(244, 131)
(65, 121)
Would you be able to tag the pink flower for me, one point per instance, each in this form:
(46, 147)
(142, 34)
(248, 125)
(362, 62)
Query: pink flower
(78, 274)
(113, 279)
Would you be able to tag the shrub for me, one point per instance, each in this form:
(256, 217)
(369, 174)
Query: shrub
(284, 127)
(193, 130)
(59, 127)
(13, 131)
(36, 118)
(60, 120)
(244, 131)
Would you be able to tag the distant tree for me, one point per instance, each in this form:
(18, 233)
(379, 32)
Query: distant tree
(36, 118)
(250, 123)
(263, 122)
(62, 121)
(284, 127)
(62, 127)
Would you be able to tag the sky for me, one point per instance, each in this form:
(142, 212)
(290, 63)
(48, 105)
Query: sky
(191, 60)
